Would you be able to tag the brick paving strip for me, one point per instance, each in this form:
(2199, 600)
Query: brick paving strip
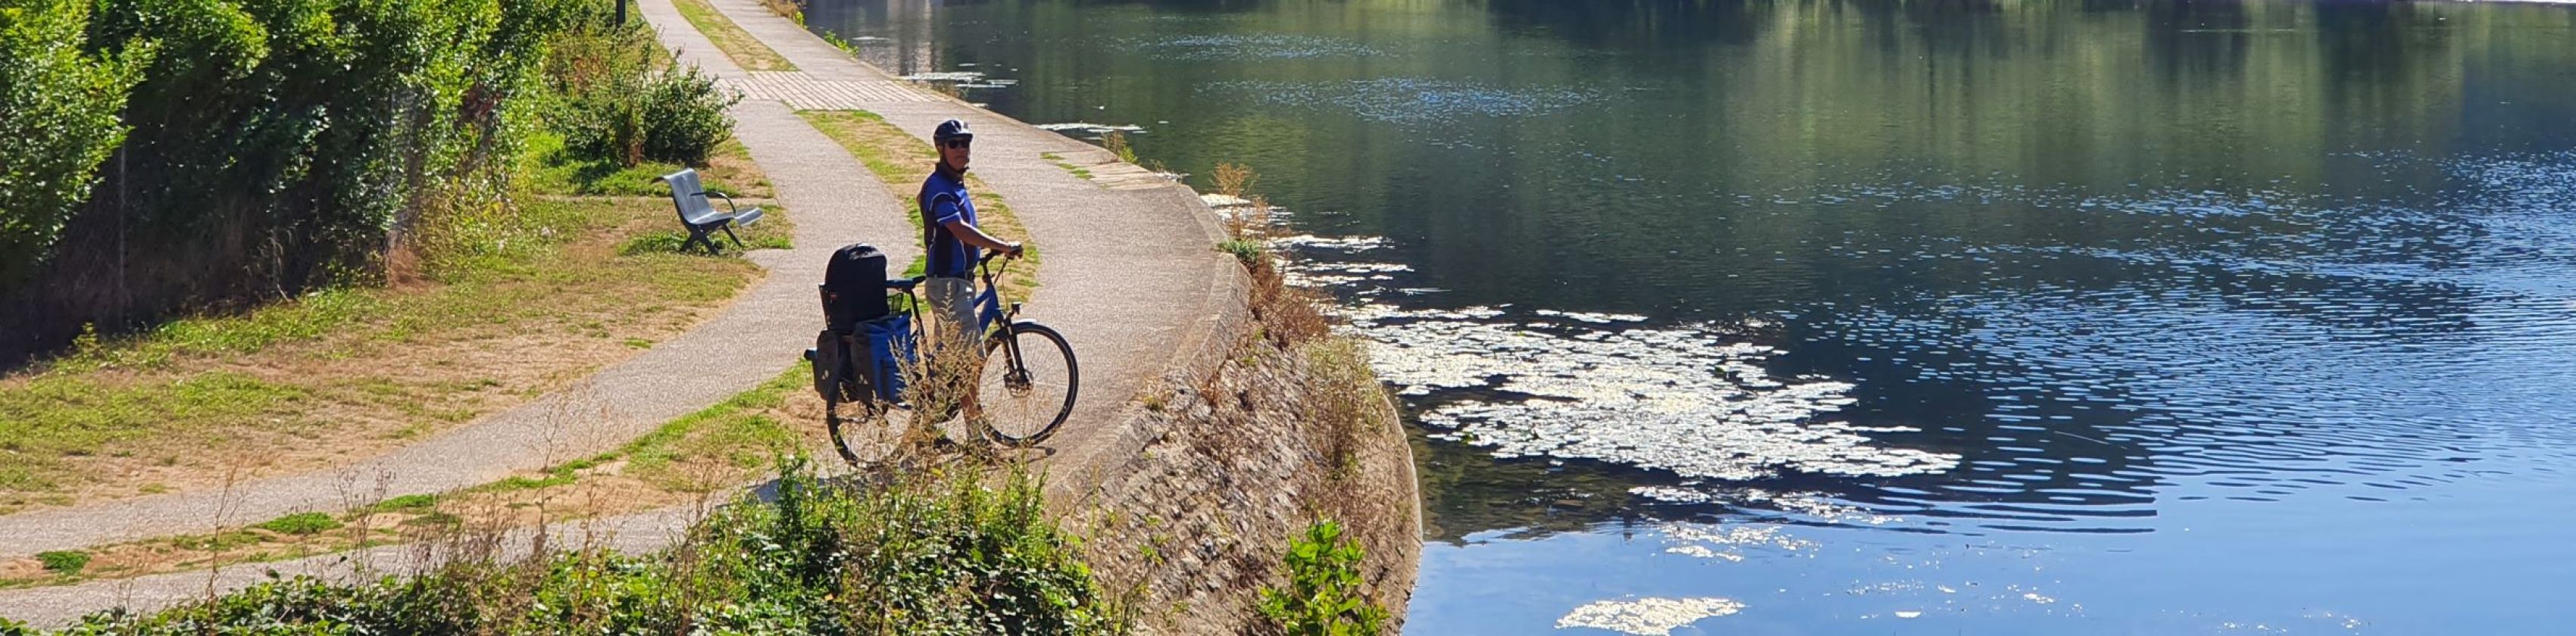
(1132, 280)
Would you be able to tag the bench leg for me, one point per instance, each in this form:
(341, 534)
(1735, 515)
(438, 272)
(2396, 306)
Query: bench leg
(698, 236)
(737, 241)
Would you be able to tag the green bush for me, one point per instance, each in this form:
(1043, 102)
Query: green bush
(1248, 251)
(271, 147)
(920, 556)
(406, 503)
(61, 104)
(674, 115)
(1324, 595)
(684, 117)
(315, 127)
(624, 102)
(301, 523)
(64, 562)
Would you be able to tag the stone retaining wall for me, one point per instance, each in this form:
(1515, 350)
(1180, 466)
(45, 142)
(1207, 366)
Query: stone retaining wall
(1200, 517)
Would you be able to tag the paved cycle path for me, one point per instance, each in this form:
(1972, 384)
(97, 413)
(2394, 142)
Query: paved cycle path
(833, 200)
(1131, 277)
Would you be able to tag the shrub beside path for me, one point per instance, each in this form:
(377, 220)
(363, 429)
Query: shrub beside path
(763, 331)
(1132, 279)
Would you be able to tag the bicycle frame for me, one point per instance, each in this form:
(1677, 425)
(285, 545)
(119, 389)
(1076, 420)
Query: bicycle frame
(990, 316)
(997, 324)
(993, 318)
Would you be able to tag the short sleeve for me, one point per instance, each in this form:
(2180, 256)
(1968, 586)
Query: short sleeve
(943, 208)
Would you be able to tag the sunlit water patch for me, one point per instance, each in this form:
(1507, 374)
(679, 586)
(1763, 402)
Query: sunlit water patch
(1090, 129)
(1694, 401)
(1729, 542)
(1690, 400)
(1648, 616)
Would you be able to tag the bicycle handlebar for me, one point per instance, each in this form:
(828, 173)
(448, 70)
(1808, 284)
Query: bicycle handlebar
(989, 255)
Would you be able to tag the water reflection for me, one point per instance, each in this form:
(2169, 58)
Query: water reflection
(2222, 316)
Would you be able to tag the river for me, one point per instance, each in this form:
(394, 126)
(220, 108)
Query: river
(1886, 317)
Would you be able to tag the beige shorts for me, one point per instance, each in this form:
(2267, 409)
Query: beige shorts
(952, 305)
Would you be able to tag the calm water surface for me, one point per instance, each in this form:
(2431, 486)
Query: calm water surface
(1904, 317)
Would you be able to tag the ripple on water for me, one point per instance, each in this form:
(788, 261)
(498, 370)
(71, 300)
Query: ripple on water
(1239, 47)
(1412, 101)
(946, 76)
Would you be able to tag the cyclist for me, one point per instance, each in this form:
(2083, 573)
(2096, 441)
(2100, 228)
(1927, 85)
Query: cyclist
(950, 236)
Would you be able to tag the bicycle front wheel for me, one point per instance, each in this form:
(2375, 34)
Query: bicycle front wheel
(1028, 384)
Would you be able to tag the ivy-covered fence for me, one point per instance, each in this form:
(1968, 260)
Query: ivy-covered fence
(169, 155)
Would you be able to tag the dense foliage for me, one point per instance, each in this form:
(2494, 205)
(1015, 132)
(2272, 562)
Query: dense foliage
(922, 556)
(271, 146)
(624, 103)
(292, 136)
(674, 115)
(61, 103)
(170, 156)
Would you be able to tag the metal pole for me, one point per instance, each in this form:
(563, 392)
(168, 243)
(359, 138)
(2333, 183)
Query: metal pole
(621, 12)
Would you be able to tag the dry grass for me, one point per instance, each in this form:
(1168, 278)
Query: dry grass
(1288, 315)
(1344, 400)
(699, 458)
(746, 51)
(790, 9)
(1116, 143)
(1249, 222)
(348, 374)
(731, 169)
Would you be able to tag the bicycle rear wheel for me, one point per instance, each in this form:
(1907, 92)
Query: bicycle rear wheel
(1023, 399)
(863, 429)
(842, 416)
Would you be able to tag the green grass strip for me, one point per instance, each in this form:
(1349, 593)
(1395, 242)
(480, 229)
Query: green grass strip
(746, 51)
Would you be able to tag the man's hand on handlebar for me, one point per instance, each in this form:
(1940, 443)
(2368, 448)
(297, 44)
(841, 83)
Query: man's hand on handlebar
(1008, 249)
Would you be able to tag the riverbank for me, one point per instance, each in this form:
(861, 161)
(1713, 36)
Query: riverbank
(2182, 338)
(1211, 456)
(1184, 321)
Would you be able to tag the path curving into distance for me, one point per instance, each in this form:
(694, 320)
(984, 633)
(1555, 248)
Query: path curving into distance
(1131, 278)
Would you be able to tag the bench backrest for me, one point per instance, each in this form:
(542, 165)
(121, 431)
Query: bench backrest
(687, 195)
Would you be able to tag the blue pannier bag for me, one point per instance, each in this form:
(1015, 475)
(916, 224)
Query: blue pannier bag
(890, 341)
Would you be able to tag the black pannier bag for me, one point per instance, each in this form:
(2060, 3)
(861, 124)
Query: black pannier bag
(854, 287)
(828, 354)
(853, 292)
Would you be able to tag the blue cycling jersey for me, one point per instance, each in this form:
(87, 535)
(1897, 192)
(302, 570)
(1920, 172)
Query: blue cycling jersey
(943, 199)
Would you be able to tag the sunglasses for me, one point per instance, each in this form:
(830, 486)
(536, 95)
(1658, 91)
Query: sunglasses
(959, 143)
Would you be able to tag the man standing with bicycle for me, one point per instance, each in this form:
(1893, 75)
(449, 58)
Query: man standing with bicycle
(951, 238)
(1017, 398)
